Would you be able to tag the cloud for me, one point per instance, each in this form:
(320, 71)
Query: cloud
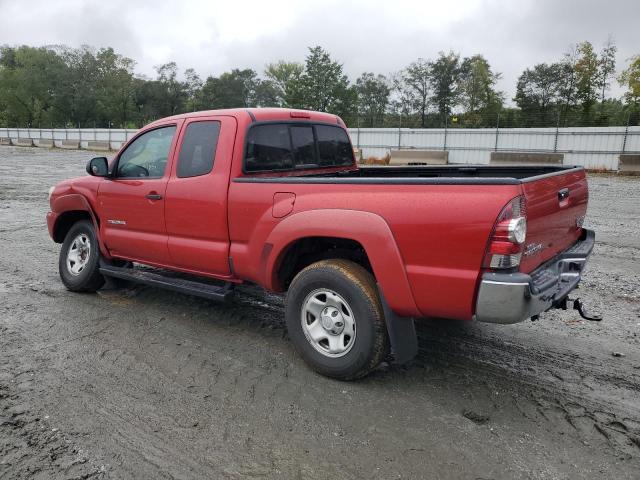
(382, 37)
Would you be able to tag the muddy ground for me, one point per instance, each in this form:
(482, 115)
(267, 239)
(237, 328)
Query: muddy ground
(141, 383)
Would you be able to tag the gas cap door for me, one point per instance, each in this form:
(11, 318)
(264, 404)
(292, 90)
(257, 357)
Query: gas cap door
(283, 204)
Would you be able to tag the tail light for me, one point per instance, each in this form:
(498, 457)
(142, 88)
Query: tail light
(509, 233)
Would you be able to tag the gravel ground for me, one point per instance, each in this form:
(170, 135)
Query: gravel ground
(141, 383)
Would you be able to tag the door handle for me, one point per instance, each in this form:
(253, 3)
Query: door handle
(153, 196)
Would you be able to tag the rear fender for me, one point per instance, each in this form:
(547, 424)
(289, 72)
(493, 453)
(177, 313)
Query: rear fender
(366, 228)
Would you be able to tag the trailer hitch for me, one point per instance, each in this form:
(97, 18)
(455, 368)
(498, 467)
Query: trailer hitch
(579, 306)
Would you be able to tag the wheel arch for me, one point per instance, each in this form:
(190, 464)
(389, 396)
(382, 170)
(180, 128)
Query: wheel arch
(66, 220)
(73, 208)
(365, 233)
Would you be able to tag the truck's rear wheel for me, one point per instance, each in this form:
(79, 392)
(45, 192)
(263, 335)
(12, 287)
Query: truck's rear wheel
(335, 319)
(79, 259)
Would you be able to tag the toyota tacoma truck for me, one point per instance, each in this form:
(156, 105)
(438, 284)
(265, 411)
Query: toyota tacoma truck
(202, 202)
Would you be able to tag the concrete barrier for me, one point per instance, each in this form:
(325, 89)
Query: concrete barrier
(45, 143)
(419, 157)
(526, 158)
(70, 144)
(22, 142)
(629, 163)
(5, 141)
(98, 145)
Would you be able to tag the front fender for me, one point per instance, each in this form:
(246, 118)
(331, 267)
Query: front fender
(73, 202)
(366, 228)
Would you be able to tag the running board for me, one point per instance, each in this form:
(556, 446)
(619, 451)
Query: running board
(189, 287)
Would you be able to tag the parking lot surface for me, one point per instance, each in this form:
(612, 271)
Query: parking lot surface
(135, 382)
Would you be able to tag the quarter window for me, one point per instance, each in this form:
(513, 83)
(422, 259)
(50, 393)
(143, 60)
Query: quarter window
(334, 146)
(147, 155)
(198, 149)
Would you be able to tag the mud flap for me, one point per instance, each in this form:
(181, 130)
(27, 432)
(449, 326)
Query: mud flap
(402, 334)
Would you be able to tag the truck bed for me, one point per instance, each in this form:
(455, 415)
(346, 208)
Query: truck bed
(421, 175)
(440, 217)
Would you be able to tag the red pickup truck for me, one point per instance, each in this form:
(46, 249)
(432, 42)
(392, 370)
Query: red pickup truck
(201, 202)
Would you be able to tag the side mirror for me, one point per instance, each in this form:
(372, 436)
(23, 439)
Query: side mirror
(98, 167)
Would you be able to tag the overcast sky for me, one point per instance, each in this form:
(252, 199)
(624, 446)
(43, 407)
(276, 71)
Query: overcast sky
(383, 37)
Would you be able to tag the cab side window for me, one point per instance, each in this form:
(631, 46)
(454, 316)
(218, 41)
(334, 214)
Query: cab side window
(198, 149)
(147, 155)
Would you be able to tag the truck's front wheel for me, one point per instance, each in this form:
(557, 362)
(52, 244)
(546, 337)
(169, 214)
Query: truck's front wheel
(335, 319)
(79, 259)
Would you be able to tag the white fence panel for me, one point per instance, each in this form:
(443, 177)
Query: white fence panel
(592, 147)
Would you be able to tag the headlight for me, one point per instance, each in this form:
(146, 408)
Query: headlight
(51, 192)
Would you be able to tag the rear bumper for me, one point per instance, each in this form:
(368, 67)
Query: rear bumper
(514, 297)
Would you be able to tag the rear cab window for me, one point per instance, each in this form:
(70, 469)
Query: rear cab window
(277, 147)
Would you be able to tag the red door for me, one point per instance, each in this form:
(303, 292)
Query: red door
(196, 196)
(131, 203)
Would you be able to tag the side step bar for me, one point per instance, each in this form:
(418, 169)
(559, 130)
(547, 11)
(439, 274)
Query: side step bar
(190, 287)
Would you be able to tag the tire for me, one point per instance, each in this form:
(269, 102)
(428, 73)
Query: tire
(79, 260)
(339, 300)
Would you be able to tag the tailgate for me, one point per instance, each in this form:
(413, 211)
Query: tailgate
(556, 205)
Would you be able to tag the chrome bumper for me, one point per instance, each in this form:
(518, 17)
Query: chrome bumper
(514, 297)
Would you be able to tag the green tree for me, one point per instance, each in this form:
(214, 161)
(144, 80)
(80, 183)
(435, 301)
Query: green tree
(478, 95)
(445, 82)
(373, 98)
(587, 78)
(234, 89)
(567, 80)
(630, 79)
(606, 66)
(266, 94)
(193, 89)
(115, 89)
(76, 101)
(416, 86)
(28, 80)
(171, 92)
(538, 93)
(286, 80)
(325, 87)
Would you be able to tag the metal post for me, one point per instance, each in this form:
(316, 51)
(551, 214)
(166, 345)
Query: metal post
(399, 137)
(495, 148)
(626, 132)
(555, 143)
(444, 146)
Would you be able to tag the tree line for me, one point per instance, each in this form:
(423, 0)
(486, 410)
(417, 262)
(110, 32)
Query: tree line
(58, 86)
